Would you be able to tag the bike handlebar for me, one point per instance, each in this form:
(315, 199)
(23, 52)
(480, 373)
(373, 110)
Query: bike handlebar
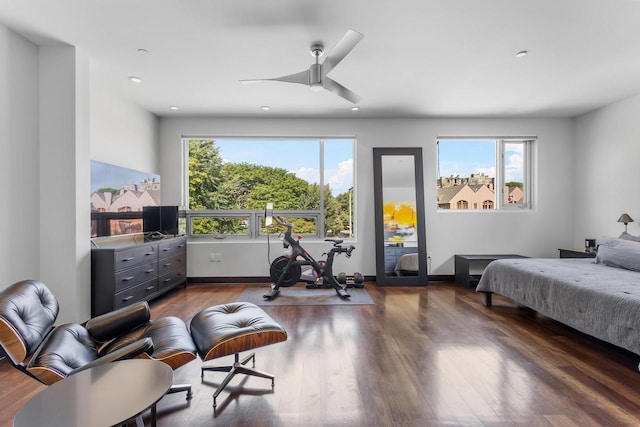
(342, 249)
(280, 220)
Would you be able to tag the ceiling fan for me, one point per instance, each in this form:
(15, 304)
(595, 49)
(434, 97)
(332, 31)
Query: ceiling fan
(316, 76)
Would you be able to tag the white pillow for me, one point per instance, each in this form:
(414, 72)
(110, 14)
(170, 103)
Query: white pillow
(614, 242)
(619, 253)
(627, 236)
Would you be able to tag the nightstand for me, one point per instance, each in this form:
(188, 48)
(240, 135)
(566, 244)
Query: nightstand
(576, 253)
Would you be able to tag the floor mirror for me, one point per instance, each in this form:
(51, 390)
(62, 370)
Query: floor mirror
(401, 253)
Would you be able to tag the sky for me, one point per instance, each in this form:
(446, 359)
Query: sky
(456, 157)
(300, 157)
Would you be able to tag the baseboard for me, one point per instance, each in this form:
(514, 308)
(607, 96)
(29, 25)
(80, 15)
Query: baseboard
(266, 279)
(221, 279)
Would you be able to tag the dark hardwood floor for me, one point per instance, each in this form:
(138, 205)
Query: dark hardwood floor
(421, 356)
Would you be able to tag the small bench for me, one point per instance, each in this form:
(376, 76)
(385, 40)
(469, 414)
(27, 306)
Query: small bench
(463, 264)
(228, 329)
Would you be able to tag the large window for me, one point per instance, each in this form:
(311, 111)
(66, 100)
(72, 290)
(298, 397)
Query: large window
(229, 181)
(484, 174)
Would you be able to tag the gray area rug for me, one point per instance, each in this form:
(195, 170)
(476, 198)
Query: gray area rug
(299, 295)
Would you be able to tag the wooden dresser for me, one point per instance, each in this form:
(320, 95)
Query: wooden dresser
(124, 273)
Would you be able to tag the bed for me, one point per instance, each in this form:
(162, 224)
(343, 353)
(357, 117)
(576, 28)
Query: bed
(599, 298)
(407, 265)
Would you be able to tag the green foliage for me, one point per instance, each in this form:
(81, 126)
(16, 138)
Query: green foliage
(215, 185)
(252, 186)
(514, 184)
(219, 226)
(108, 190)
(205, 180)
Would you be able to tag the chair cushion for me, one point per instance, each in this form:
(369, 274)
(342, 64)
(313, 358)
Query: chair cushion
(28, 310)
(227, 329)
(68, 347)
(107, 326)
(172, 343)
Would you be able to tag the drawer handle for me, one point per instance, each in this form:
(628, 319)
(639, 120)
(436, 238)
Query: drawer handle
(149, 253)
(126, 279)
(127, 259)
(149, 288)
(167, 280)
(166, 249)
(127, 298)
(151, 270)
(167, 264)
(181, 246)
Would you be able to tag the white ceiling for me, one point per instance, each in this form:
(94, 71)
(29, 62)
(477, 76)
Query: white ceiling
(418, 58)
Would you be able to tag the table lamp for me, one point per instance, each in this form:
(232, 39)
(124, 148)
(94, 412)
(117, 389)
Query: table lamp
(625, 219)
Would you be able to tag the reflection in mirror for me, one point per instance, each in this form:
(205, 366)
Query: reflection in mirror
(400, 237)
(399, 216)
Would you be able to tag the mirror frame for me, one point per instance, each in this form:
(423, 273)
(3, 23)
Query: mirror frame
(381, 278)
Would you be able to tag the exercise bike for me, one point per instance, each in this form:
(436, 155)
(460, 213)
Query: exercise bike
(286, 270)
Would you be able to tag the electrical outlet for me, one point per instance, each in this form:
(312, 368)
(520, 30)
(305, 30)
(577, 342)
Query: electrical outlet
(212, 257)
(218, 257)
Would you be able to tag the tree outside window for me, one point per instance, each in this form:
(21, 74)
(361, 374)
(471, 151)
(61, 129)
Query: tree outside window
(311, 179)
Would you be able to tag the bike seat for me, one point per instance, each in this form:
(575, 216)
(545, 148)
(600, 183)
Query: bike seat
(334, 241)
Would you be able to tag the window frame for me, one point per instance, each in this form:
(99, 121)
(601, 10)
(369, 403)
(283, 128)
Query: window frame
(526, 178)
(500, 202)
(255, 217)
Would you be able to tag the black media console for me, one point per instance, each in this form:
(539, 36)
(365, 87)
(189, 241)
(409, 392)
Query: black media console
(124, 273)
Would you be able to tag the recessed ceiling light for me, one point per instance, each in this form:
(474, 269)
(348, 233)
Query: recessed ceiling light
(141, 50)
(521, 54)
(265, 108)
(355, 108)
(174, 107)
(135, 79)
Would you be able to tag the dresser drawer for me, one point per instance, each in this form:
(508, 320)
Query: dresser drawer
(171, 279)
(177, 262)
(134, 294)
(127, 278)
(132, 257)
(172, 248)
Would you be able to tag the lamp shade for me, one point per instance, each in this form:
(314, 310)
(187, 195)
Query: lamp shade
(625, 219)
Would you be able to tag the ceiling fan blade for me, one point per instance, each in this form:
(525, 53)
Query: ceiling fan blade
(344, 46)
(301, 78)
(338, 89)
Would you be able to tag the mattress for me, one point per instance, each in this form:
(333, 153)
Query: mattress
(596, 299)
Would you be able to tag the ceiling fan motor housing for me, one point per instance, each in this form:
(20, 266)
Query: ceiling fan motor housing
(315, 75)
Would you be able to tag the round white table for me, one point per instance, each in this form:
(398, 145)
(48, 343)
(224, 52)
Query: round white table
(105, 395)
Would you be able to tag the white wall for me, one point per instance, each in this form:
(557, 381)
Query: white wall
(19, 159)
(607, 171)
(64, 179)
(122, 133)
(54, 117)
(539, 233)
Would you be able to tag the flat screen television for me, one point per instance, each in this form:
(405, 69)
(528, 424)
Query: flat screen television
(160, 219)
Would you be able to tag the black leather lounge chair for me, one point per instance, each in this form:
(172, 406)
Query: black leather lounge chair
(48, 353)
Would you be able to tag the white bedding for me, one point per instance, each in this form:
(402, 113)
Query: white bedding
(407, 264)
(593, 298)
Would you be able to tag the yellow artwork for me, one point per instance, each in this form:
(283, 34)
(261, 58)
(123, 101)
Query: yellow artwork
(399, 221)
